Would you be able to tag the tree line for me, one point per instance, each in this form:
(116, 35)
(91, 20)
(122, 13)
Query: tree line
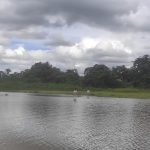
(97, 76)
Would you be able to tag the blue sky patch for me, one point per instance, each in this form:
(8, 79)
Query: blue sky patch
(28, 44)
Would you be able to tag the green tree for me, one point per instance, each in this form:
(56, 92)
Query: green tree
(99, 76)
(72, 76)
(141, 71)
(123, 74)
(7, 71)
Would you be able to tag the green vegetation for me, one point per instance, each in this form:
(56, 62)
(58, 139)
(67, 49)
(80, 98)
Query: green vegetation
(36, 86)
(118, 81)
(67, 89)
(124, 93)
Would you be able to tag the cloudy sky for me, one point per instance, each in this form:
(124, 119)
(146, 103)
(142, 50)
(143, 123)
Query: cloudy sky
(73, 33)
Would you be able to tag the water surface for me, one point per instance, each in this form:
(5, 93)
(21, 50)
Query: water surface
(44, 122)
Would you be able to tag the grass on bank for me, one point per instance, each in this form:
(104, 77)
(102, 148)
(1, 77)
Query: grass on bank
(123, 93)
(119, 93)
(55, 88)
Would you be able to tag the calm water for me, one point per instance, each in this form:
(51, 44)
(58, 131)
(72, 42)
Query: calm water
(40, 122)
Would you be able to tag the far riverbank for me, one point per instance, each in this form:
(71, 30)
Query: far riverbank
(118, 93)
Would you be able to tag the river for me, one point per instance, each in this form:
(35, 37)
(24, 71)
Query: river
(44, 122)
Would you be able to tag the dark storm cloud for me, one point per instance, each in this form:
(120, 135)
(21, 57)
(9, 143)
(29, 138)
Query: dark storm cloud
(102, 13)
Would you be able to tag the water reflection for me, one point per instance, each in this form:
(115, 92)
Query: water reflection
(41, 122)
(40, 107)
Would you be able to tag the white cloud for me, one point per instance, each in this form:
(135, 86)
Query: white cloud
(138, 19)
(87, 52)
(4, 5)
(91, 46)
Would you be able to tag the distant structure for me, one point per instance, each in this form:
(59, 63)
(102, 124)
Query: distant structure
(88, 92)
(75, 92)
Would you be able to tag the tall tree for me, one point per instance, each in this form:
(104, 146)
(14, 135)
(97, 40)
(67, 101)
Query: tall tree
(122, 73)
(71, 76)
(141, 71)
(99, 76)
(7, 71)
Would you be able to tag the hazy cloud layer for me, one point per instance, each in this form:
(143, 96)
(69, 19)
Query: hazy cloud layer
(58, 40)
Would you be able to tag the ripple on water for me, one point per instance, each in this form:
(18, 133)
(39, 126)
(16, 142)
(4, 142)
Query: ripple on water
(46, 122)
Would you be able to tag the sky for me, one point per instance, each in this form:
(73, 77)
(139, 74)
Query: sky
(73, 33)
